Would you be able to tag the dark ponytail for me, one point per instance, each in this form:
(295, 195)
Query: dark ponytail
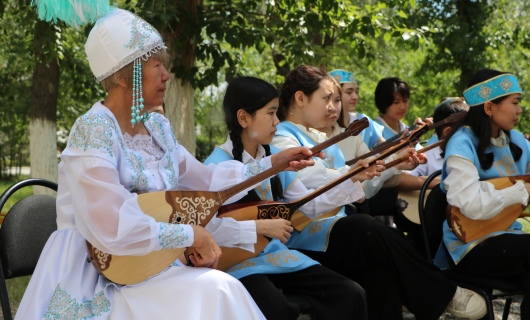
(249, 94)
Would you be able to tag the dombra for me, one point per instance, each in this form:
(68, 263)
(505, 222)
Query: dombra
(467, 229)
(289, 211)
(186, 207)
(408, 204)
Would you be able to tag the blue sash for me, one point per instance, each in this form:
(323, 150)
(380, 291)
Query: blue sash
(276, 257)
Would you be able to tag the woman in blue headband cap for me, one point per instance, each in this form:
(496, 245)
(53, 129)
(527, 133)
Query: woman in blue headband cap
(350, 97)
(483, 146)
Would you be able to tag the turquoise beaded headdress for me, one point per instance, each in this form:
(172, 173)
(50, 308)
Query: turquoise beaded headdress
(117, 39)
(496, 87)
(343, 76)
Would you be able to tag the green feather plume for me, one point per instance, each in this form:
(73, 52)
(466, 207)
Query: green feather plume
(72, 12)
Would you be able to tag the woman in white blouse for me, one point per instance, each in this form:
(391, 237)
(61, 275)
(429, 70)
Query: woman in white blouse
(113, 152)
(374, 255)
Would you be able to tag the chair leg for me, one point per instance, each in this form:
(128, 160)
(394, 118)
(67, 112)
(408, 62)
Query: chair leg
(507, 306)
(489, 304)
(4, 298)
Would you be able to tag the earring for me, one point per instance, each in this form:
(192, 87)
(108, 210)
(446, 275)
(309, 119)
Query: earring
(137, 98)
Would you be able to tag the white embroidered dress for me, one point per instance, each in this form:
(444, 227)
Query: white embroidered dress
(98, 173)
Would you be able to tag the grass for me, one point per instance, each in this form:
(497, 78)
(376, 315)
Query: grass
(16, 286)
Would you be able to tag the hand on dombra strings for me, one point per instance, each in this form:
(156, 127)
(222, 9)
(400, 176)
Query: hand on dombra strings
(420, 121)
(413, 161)
(205, 251)
(370, 171)
(274, 228)
(291, 152)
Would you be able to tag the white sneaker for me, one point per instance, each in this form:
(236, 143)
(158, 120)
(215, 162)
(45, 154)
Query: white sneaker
(467, 304)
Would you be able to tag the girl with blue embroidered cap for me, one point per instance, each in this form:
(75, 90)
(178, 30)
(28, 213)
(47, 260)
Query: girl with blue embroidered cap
(114, 151)
(357, 246)
(250, 105)
(483, 146)
(372, 135)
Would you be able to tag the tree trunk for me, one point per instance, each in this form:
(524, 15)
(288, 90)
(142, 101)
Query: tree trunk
(43, 110)
(181, 40)
(179, 110)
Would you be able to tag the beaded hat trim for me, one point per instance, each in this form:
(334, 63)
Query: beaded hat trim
(343, 76)
(491, 89)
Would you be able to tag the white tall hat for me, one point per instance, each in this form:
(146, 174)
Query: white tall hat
(117, 39)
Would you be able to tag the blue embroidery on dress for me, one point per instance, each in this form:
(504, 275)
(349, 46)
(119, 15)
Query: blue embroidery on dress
(172, 176)
(135, 163)
(253, 169)
(92, 131)
(172, 236)
(157, 131)
(63, 307)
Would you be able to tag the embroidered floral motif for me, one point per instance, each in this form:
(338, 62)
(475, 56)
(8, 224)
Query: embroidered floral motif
(505, 166)
(454, 245)
(157, 132)
(263, 190)
(140, 32)
(172, 236)
(506, 84)
(281, 257)
(93, 131)
(329, 160)
(484, 92)
(63, 307)
(172, 175)
(315, 227)
(241, 266)
(253, 169)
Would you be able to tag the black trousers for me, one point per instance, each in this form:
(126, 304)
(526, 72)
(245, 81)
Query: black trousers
(503, 256)
(331, 295)
(388, 267)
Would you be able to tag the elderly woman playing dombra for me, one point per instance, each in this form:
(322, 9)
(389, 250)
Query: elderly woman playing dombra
(114, 151)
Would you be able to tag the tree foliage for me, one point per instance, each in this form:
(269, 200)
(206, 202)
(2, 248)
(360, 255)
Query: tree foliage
(435, 45)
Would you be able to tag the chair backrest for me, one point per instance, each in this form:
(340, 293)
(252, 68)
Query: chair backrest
(432, 215)
(24, 232)
(26, 228)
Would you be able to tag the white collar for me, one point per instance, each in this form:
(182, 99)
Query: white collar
(247, 158)
(314, 134)
(501, 141)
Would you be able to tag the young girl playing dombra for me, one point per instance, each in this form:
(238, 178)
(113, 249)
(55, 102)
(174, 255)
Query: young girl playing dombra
(484, 146)
(376, 256)
(373, 134)
(250, 106)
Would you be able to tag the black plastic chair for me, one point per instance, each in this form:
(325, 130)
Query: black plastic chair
(24, 232)
(432, 211)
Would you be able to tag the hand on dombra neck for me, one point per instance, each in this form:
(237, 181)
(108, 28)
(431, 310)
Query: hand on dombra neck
(414, 159)
(420, 121)
(291, 152)
(371, 171)
(205, 251)
(274, 228)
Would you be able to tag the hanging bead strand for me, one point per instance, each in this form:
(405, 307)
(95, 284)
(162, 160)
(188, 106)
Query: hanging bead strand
(137, 98)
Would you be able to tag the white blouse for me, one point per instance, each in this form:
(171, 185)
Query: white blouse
(319, 175)
(228, 231)
(101, 170)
